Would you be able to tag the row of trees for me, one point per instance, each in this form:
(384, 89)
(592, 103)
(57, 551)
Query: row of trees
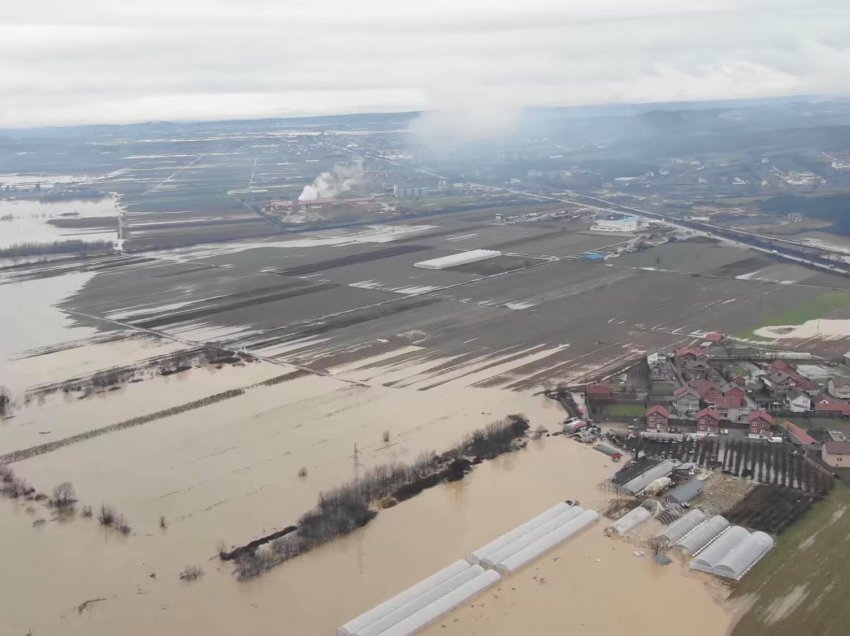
(344, 509)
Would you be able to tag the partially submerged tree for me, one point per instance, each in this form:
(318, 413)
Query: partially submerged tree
(107, 515)
(5, 401)
(64, 495)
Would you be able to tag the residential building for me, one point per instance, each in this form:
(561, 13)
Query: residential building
(782, 378)
(799, 436)
(697, 369)
(690, 353)
(708, 391)
(839, 387)
(685, 400)
(798, 402)
(836, 454)
(708, 421)
(761, 423)
(735, 395)
(657, 418)
(825, 403)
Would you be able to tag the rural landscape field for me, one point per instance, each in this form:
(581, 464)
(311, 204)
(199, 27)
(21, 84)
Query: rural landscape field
(261, 376)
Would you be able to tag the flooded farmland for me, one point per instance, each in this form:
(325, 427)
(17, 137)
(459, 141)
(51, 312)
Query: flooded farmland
(31, 221)
(209, 395)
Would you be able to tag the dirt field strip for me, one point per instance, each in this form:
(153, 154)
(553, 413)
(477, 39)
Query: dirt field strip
(49, 447)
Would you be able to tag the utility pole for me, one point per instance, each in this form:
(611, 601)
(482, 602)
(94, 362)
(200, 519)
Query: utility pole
(356, 458)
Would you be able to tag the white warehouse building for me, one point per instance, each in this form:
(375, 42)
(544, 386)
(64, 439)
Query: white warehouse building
(617, 223)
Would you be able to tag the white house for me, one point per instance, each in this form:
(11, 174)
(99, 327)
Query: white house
(839, 387)
(798, 402)
(836, 454)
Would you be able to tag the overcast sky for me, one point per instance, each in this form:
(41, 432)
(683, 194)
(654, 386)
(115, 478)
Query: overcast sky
(105, 61)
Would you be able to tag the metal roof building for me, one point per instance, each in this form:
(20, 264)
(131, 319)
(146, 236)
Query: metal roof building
(711, 556)
(744, 556)
(639, 483)
(683, 526)
(702, 535)
(686, 493)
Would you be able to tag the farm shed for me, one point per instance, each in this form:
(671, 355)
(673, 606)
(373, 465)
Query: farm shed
(445, 604)
(628, 521)
(711, 556)
(682, 526)
(662, 469)
(454, 260)
(537, 549)
(399, 600)
(531, 536)
(500, 542)
(744, 556)
(686, 493)
(702, 535)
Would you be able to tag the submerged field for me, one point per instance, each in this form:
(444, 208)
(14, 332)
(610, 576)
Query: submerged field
(341, 342)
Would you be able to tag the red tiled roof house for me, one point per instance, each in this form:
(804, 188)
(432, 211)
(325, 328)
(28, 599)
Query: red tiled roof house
(708, 421)
(657, 418)
(761, 423)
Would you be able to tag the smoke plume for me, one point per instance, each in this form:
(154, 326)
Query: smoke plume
(330, 185)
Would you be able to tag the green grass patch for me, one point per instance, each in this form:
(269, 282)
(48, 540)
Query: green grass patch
(626, 410)
(800, 587)
(813, 309)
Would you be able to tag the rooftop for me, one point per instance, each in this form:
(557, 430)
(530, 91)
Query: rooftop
(709, 412)
(802, 436)
(838, 448)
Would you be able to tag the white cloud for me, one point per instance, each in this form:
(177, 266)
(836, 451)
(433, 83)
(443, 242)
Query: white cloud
(114, 61)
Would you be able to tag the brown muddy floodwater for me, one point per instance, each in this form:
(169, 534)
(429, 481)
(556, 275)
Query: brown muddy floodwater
(596, 585)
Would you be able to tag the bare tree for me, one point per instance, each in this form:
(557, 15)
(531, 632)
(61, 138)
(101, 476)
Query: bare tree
(107, 515)
(64, 495)
(386, 436)
(5, 400)
(163, 523)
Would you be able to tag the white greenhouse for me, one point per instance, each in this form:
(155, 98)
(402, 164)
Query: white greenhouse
(702, 535)
(719, 548)
(421, 602)
(744, 556)
(682, 526)
(531, 536)
(439, 608)
(403, 598)
(454, 260)
(500, 542)
(629, 521)
(547, 542)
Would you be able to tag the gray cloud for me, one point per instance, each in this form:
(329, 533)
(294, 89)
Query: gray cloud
(105, 61)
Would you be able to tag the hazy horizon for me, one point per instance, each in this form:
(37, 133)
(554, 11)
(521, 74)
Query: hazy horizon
(109, 63)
